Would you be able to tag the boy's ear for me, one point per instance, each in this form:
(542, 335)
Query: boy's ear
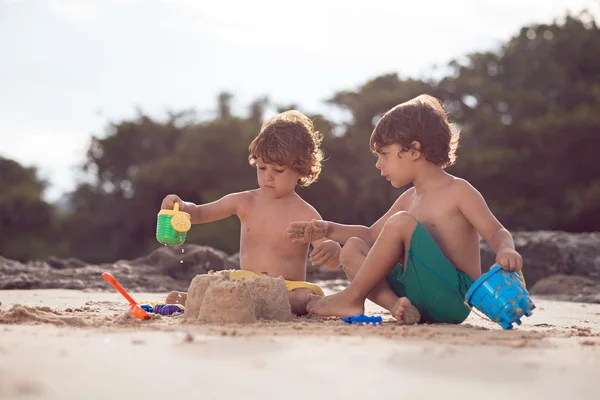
(415, 150)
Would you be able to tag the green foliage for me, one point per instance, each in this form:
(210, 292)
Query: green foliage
(25, 219)
(529, 120)
(530, 125)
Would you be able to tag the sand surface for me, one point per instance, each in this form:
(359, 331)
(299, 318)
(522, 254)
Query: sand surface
(68, 344)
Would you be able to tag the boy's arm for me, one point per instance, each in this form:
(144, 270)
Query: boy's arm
(203, 213)
(307, 231)
(473, 206)
(399, 205)
(325, 252)
(341, 233)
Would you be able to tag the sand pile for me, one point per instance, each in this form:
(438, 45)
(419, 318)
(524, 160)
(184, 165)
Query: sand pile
(270, 297)
(20, 314)
(216, 298)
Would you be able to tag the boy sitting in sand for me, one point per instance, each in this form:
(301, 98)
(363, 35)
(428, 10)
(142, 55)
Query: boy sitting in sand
(286, 153)
(425, 249)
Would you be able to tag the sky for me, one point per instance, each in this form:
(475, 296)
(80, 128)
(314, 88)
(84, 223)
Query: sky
(70, 67)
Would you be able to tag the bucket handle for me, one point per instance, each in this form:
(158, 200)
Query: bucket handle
(476, 312)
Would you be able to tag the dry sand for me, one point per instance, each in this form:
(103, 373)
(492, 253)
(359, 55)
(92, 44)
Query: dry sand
(62, 344)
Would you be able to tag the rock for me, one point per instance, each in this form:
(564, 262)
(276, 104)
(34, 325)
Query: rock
(568, 288)
(163, 270)
(545, 253)
(70, 262)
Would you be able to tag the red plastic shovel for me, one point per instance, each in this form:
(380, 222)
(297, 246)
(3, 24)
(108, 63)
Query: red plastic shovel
(134, 309)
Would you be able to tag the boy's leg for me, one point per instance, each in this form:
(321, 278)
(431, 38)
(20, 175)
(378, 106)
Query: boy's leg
(352, 257)
(176, 298)
(389, 249)
(299, 299)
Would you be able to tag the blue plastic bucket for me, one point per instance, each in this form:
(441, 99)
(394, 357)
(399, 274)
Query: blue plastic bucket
(501, 296)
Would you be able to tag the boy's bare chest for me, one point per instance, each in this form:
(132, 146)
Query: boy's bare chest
(434, 212)
(270, 222)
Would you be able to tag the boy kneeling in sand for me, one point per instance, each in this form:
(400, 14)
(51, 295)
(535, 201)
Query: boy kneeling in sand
(286, 153)
(425, 249)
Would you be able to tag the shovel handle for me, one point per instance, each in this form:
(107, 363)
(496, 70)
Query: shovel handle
(111, 279)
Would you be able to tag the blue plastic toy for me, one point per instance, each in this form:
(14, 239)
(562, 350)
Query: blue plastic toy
(362, 319)
(501, 295)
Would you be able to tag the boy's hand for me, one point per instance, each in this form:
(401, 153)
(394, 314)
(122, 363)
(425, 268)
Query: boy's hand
(306, 232)
(509, 259)
(326, 253)
(170, 200)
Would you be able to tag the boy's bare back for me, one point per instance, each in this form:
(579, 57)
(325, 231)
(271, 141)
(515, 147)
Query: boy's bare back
(264, 246)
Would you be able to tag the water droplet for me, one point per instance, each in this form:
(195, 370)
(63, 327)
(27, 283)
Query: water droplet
(181, 262)
(183, 250)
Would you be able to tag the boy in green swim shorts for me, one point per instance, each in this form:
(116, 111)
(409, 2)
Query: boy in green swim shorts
(420, 258)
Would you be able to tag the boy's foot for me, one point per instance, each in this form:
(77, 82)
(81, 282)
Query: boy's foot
(405, 313)
(176, 298)
(339, 305)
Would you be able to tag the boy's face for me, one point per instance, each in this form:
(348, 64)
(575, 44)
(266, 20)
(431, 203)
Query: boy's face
(395, 165)
(275, 180)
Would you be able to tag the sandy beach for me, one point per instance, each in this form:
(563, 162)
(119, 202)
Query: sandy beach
(69, 344)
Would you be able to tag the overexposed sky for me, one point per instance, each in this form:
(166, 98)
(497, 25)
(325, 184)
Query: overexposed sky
(68, 67)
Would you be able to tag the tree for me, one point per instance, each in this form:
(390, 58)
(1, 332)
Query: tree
(530, 125)
(25, 218)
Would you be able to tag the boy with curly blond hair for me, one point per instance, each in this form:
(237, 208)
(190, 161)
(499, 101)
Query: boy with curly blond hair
(286, 153)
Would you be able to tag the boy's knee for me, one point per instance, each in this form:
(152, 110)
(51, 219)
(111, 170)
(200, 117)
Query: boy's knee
(401, 222)
(351, 248)
(353, 242)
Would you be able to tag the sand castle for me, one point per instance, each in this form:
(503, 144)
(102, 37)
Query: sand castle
(218, 299)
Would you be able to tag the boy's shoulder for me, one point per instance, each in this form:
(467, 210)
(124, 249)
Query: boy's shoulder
(244, 201)
(305, 209)
(461, 187)
(456, 188)
(404, 200)
(461, 192)
(245, 196)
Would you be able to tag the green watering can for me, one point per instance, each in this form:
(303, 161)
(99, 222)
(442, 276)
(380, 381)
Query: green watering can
(172, 226)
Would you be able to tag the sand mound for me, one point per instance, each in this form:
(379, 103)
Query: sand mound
(217, 299)
(196, 293)
(228, 301)
(20, 314)
(270, 297)
(126, 319)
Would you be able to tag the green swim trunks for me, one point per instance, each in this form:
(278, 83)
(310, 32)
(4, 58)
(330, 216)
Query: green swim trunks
(430, 281)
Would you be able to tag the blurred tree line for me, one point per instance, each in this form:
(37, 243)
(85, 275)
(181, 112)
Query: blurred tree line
(529, 115)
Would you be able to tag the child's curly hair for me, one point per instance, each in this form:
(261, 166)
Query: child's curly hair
(289, 139)
(422, 119)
